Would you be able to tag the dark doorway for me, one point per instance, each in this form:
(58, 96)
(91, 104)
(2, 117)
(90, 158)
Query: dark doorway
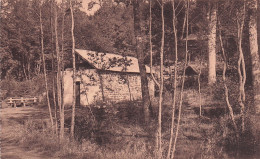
(77, 93)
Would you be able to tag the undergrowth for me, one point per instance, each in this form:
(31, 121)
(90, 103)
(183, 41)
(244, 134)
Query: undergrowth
(36, 134)
(107, 130)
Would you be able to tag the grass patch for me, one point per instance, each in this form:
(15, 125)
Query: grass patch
(117, 131)
(35, 134)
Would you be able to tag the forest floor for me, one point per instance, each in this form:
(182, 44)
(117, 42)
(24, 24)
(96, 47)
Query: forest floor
(11, 119)
(115, 131)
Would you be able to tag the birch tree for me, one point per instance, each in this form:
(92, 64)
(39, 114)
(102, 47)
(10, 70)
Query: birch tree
(212, 18)
(44, 66)
(182, 82)
(241, 63)
(58, 79)
(74, 72)
(174, 21)
(62, 56)
(161, 84)
(53, 68)
(231, 112)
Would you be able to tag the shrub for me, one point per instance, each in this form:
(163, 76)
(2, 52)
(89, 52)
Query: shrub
(31, 87)
(222, 142)
(36, 134)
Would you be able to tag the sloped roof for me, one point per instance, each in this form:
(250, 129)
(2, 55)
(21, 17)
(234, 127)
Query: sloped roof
(111, 62)
(195, 37)
(191, 68)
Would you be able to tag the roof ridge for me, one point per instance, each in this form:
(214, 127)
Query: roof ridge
(110, 61)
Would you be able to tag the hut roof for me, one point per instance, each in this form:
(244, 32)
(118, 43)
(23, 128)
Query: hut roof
(111, 62)
(194, 37)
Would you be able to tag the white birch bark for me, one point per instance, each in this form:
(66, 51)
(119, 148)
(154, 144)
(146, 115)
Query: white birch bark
(212, 45)
(74, 73)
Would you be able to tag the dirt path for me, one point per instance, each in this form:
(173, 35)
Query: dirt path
(11, 118)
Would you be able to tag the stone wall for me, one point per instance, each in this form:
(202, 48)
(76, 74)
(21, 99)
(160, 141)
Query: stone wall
(110, 86)
(121, 87)
(90, 91)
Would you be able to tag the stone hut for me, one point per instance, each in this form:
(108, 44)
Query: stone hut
(104, 77)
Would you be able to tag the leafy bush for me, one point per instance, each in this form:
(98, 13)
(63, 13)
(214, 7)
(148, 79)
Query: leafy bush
(37, 134)
(104, 122)
(31, 87)
(222, 142)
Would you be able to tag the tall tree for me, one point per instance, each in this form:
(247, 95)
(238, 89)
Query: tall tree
(241, 63)
(252, 4)
(174, 21)
(44, 67)
(231, 112)
(52, 66)
(58, 79)
(183, 80)
(161, 84)
(62, 55)
(74, 72)
(212, 19)
(139, 36)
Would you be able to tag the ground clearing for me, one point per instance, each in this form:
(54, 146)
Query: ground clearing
(11, 119)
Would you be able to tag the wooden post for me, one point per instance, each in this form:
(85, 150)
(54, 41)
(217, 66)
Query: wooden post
(23, 101)
(10, 101)
(34, 99)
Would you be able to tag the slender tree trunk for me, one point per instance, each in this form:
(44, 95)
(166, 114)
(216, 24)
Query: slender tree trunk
(199, 85)
(183, 81)
(38, 67)
(174, 20)
(231, 113)
(74, 73)
(102, 86)
(212, 44)
(140, 55)
(29, 66)
(44, 71)
(183, 26)
(55, 105)
(151, 45)
(24, 72)
(58, 73)
(62, 57)
(241, 63)
(53, 70)
(126, 77)
(61, 65)
(151, 63)
(161, 85)
(129, 89)
(23, 56)
(254, 53)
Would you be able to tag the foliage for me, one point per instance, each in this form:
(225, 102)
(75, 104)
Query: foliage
(104, 119)
(37, 134)
(222, 142)
(110, 29)
(100, 128)
(31, 87)
(19, 25)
